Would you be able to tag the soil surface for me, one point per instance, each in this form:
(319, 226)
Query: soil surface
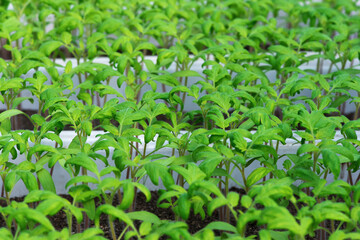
(195, 222)
(22, 122)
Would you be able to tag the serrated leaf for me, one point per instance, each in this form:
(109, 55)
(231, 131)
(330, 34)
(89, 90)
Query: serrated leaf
(84, 161)
(280, 218)
(332, 161)
(36, 216)
(256, 175)
(50, 46)
(39, 148)
(308, 147)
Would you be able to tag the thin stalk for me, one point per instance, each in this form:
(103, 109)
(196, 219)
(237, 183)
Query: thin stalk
(356, 115)
(350, 179)
(78, 227)
(3, 185)
(326, 173)
(163, 85)
(107, 83)
(184, 94)
(227, 213)
(221, 210)
(321, 66)
(119, 196)
(144, 151)
(69, 220)
(112, 228)
(78, 74)
(330, 68)
(318, 65)
(17, 233)
(357, 179)
(7, 198)
(332, 225)
(316, 155)
(123, 232)
(52, 168)
(242, 171)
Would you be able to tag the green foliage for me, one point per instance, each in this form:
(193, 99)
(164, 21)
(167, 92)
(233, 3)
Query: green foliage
(260, 74)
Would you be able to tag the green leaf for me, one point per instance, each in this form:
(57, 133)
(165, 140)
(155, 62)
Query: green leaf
(279, 218)
(110, 169)
(166, 79)
(209, 164)
(144, 217)
(26, 66)
(87, 127)
(246, 201)
(46, 180)
(55, 137)
(84, 179)
(332, 161)
(9, 113)
(216, 203)
(6, 234)
(145, 228)
(128, 196)
(184, 205)
(50, 46)
(29, 180)
(86, 97)
(50, 206)
(209, 186)
(256, 175)
(39, 148)
(36, 216)
(66, 37)
(77, 212)
(17, 101)
(281, 49)
(84, 161)
(10, 181)
(186, 73)
(104, 74)
(146, 45)
(149, 134)
(192, 174)
(222, 226)
(233, 198)
(90, 233)
(90, 208)
(143, 189)
(308, 147)
(115, 212)
(156, 171)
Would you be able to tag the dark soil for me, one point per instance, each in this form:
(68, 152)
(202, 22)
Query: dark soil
(195, 222)
(22, 122)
